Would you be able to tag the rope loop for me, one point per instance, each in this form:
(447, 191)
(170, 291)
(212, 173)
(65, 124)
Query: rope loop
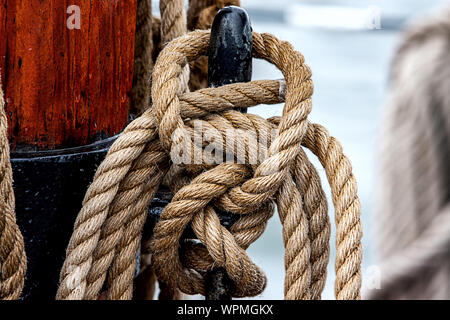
(13, 261)
(230, 186)
(108, 229)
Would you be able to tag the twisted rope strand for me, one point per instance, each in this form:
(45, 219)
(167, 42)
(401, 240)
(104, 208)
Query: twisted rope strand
(128, 205)
(96, 204)
(316, 209)
(143, 60)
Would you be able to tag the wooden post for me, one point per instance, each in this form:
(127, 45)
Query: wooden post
(66, 69)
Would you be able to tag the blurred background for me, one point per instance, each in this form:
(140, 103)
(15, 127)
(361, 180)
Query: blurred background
(349, 45)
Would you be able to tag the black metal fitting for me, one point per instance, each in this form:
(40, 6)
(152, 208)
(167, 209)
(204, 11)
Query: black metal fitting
(230, 49)
(49, 187)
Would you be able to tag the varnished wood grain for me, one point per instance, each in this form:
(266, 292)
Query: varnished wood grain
(66, 87)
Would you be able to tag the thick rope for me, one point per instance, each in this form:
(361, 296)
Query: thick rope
(129, 146)
(203, 13)
(173, 25)
(322, 229)
(127, 242)
(349, 243)
(347, 209)
(145, 145)
(13, 261)
(316, 209)
(308, 183)
(143, 59)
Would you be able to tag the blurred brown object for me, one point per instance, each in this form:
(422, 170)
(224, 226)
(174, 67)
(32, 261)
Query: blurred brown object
(413, 212)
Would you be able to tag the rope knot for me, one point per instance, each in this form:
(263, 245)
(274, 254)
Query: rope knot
(245, 188)
(273, 169)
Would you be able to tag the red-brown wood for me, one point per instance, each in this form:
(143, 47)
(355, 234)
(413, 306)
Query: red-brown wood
(66, 87)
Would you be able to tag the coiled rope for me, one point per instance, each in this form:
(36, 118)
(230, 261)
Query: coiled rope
(108, 229)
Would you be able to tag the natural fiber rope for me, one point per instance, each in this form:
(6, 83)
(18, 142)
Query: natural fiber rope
(247, 277)
(115, 204)
(107, 233)
(143, 60)
(13, 261)
(413, 216)
(355, 202)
